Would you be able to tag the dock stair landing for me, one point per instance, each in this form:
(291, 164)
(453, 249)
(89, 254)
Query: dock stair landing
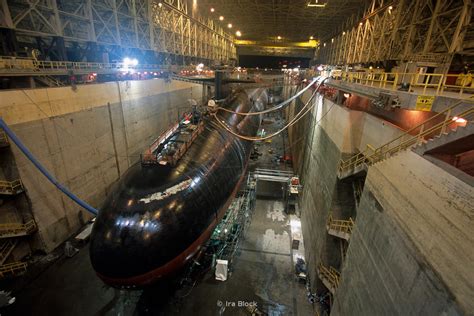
(454, 122)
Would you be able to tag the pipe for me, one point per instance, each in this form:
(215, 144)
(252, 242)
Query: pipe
(43, 170)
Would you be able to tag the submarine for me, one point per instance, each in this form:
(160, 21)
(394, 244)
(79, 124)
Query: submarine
(166, 206)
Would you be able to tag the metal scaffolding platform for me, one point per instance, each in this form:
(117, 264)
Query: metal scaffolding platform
(11, 187)
(229, 231)
(12, 269)
(17, 66)
(9, 230)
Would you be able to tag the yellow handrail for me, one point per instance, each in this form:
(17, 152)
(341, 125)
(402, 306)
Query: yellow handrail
(329, 273)
(12, 268)
(10, 187)
(8, 62)
(344, 226)
(438, 82)
(402, 142)
(3, 137)
(16, 228)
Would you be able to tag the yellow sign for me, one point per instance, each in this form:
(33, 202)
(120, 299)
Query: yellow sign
(424, 102)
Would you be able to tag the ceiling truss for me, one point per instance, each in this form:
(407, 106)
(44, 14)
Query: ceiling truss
(293, 20)
(162, 26)
(415, 30)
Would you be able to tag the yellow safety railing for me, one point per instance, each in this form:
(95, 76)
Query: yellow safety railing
(14, 229)
(19, 63)
(382, 80)
(3, 138)
(435, 83)
(344, 226)
(427, 129)
(330, 274)
(14, 268)
(10, 187)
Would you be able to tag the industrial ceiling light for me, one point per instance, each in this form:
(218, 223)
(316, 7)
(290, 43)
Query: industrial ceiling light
(311, 37)
(221, 18)
(238, 33)
(160, 4)
(229, 25)
(459, 120)
(130, 62)
(316, 4)
(212, 10)
(279, 37)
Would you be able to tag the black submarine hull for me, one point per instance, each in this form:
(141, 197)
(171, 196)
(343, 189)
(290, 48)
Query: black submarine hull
(157, 218)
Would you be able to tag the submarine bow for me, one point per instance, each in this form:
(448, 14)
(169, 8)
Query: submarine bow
(158, 217)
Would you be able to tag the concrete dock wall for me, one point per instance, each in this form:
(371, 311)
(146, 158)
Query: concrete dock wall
(409, 234)
(87, 138)
(412, 245)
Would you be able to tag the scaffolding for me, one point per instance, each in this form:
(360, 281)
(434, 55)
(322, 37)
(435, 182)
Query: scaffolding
(9, 230)
(329, 276)
(340, 228)
(11, 187)
(226, 236)
(11, 233)
(3, 139)
(12, 269)
(173, 144)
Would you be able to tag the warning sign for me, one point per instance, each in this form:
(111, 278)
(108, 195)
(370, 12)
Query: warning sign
(424, 102)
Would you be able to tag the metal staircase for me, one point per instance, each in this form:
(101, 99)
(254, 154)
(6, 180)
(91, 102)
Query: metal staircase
(461, 133)
(440, 124)
(340, 228)
(329, 276)
(6, 248)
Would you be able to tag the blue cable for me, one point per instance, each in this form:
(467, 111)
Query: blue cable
(43, 170)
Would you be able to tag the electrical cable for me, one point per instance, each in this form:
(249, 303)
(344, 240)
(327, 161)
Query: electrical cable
(43, 170)
(276, 107)
(254, 138)
(297, 117)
